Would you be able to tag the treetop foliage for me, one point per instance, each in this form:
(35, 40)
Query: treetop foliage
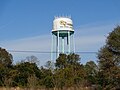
(109, 60)
(113, 40)
(5, 58)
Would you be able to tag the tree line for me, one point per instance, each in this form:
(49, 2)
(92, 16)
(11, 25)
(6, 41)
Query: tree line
(67, 71)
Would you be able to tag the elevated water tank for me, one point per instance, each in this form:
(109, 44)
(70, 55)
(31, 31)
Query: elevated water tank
(63, 25)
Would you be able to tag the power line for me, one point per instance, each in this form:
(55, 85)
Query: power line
(23, 51)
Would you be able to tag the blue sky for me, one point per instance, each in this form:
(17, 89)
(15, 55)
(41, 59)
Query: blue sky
(27, 24)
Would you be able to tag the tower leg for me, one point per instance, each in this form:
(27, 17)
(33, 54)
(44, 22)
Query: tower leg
(52, 53)
(62, 44)
(58, 44)
(68, 42)
(52, 49)
(73, 43)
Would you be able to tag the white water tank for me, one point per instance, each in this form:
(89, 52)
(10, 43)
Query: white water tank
(63, 25)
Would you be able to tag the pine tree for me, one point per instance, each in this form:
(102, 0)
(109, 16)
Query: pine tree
(109, 61)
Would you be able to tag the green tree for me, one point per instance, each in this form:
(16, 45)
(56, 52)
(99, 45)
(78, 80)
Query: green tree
(26, 71)
(91, 72)
(5, 58)
(47, 78)
(61, 61)
(5, 67)
(69, 72)
(109, 61)
(64, 61)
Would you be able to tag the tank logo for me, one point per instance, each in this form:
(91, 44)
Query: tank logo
(69, 24)
(63, 23)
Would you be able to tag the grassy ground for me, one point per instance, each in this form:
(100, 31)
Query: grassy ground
(72, 88)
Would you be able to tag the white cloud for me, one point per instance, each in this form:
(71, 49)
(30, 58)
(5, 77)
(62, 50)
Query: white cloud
(88, 43)
(32, 43)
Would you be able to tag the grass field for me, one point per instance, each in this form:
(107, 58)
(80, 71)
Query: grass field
(70, 88)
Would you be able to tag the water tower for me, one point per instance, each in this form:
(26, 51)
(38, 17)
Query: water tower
(62, 36)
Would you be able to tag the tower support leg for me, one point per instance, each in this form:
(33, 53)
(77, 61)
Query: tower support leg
(73, 44)
(62, 44)
(58, 44)
(52, 47)
(68, 42)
